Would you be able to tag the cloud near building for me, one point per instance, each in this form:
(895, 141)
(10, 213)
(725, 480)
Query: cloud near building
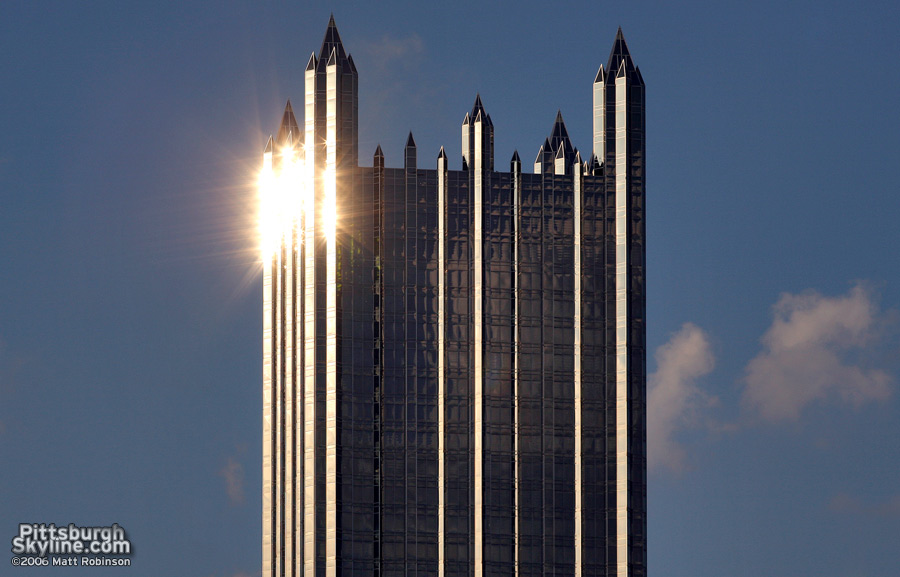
(808, 354)
(233, 473)
(674, 399)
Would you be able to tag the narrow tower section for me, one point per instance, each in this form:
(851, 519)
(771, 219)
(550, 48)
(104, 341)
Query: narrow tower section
(311, 175)
(478, 157)
(282, 334)
(619, 128)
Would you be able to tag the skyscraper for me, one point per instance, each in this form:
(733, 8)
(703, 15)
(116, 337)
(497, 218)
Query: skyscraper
(454, 366)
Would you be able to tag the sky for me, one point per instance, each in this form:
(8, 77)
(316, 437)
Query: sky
(131, 135)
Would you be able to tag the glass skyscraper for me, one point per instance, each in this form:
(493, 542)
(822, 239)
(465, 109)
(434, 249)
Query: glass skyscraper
(454, 375)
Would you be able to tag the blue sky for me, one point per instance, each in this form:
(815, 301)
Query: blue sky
(130, 305)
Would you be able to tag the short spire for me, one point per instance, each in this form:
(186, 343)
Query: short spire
(270, 146)
(442, 154)
(378, 153)
(409, 153)
(559, 139)
(478, 107)
(594, 166)
(288, 125)
(539, 161)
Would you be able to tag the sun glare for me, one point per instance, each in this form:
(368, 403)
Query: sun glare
(281, 199)
(329, 207)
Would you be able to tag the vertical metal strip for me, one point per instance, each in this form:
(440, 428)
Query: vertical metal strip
(478, 325)
(298, 385)
(621, 327)
(599, 94)
(268, 419)
(288, 356)
(329, 214)
(309, 331)
(579, 479)
(442, 191)
(278, 359)
(516, 192)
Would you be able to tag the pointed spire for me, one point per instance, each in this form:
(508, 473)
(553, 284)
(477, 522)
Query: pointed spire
(515, 156)
(619, 55)
(515, 163)
(559, 139)
(311, 65)
(332, 41)
(441, 154)
(558, 133)
(269, 146)
(594, 166)
(466, 120)
(409, 153)
(539, 160)
(288, 125)
(378, 153)
(478, 107)
(601, 75)
(332, 58)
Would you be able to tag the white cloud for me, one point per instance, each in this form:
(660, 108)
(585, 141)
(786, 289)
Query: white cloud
(674, 399)
(233, 473)
(806, 352)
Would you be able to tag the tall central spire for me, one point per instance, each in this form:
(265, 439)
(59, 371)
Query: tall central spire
(331, 43)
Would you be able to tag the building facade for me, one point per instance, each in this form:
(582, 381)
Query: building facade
(454, 372)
